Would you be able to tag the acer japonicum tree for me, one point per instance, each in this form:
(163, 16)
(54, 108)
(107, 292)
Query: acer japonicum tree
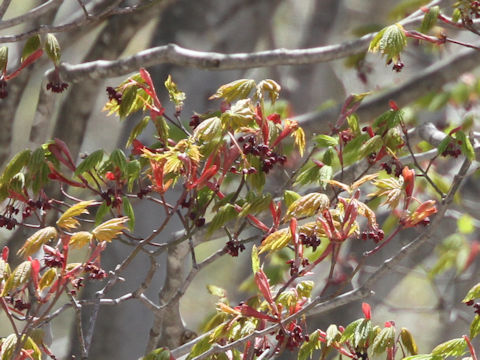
(246, 172)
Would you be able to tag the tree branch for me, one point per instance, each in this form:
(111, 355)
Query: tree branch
(31, 15)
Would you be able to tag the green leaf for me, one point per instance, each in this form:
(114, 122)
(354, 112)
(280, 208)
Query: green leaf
(200, 347)
(217, 291)
(444, 144)
(350, 330)
(325, 141)
(52, 48)
(309, 174)
(37, 160)
(424, 357)
(133, 172)
(352, 121)
(137, 130)
(256, 204)
(351, 150)
(325, 174)
(465, 224)
(158, 354)
(90, 162)
(385, 339)
(307, 205)
(31, 45)
(430, 19)
(118, 158)
(308, 347)
(289, 197)
(390, 42)
(372, 145)
(226, 213)
(3, 59)
(455, 347)
(333, 334)
(363, 333)
(236, 90)
(19, 277)
(304, 288)
(255, 260)
(473, 293)
(128, 210)
(328, 156)
(128, 99)
(176, 96)
(475, 327)
(466, 145)
(15, 165)
(408, 341)
(102, 210)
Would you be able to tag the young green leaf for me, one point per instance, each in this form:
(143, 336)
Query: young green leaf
(308, 347)
(307, 205)
(128, 210)
(3, 59)
(31, 45)
(430, 19)
(137, 130)
(15, 165)
(390, 42)
(475, 327)
(52, 48)
(176, 96)
(90, 162)
(408, 341)
(324, 141)
(454, 347)
(255, 260)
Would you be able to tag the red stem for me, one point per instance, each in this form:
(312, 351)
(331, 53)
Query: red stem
(470, 347)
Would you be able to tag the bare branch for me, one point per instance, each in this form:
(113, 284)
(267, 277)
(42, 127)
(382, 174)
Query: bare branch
(4, 7)
(30, 15)
(175, 54)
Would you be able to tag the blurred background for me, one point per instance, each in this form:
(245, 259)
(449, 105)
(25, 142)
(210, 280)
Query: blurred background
(412, 297)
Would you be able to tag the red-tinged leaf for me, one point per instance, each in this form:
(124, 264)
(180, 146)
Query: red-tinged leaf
(35, 270)
(5, 253)
(409, 180)
(29, 60)
(257, 223)
(12, 194)
(290, 126)
(60, 150)
(247, 310)
(393, 105)
(203, 179)
(262, 283)
(276, 211)
(474, 250)
(55, 175)
(367, 311)
(455, 130)
(275, 118)
(318, 163)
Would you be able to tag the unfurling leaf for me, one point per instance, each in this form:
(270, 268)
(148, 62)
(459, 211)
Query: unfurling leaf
(217, 291)
(408, 341)
(270, 87)
(276, 241)
(473, 293)
(19, 276)
(176, 96)
(4, 270)
(68, 221)
(31, 45)
(307, 205)
(35, 242)
(475, 327)
(390, 42)
(3, 59)
(208, 129)
(15, 165)
(384, 340)
(308, 347)
(110, 229)
(255, 260)
(333, 334)
(236, 90)
(454, 347)
(289, 197)
(300, 142)
(430, 19)
(79, 239)
(47, 278)
(52, 48)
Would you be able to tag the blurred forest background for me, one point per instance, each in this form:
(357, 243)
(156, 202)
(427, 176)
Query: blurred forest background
(409, 296)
